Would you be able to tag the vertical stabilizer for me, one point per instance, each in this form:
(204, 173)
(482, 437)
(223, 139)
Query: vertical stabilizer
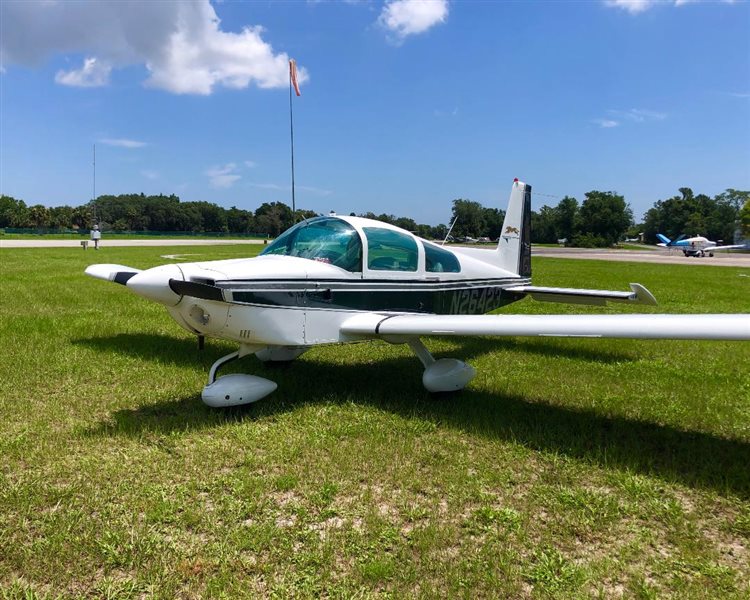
(514, 245)
(664, 239)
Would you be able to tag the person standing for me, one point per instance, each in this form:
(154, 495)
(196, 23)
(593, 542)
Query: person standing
(96, 235)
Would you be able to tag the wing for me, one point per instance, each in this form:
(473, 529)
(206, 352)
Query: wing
(735, 247)
(637, 295)
(676, 327)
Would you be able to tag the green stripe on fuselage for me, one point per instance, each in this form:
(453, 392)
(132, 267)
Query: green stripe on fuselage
(462, 301)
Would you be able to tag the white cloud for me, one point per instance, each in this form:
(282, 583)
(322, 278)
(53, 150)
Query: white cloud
(251, 164)
(180, 43)
(639, 115)
(270, 186)
(149, 174)
(288, 188)
(633, 115)
(93, 73)
(638, 6)
(122, 143)
(403, 18)
(223, 177)
(631, 6)
(683, 2)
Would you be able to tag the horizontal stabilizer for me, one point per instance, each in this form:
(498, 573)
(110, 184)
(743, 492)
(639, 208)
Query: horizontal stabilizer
(637, 295)
(675, 327)
(117, 273)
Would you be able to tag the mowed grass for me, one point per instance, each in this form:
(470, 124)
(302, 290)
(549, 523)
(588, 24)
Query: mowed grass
(568, 468)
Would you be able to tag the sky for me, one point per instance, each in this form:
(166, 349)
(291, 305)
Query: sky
(405, 106)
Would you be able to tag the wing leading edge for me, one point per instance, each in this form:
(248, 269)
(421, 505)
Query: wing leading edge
(721, 248)
(677, 327)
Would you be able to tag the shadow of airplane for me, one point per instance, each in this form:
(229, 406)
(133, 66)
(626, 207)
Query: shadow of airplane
(182, 351)
(616, 442)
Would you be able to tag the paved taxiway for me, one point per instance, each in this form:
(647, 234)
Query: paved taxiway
(721, 259)
(105, 243)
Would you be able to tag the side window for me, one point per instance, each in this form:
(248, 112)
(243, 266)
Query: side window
(438, 260)
(390, 250)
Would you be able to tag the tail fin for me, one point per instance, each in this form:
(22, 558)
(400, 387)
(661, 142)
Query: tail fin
(664, 239)
(514, 245)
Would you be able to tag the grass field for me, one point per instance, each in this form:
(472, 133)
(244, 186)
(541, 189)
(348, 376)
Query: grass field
(568, 468)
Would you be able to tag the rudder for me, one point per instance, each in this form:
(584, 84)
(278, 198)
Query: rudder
(664, 239)
(514, 245)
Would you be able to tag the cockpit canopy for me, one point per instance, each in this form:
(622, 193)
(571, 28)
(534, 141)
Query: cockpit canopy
(336, 242)
(325, 239)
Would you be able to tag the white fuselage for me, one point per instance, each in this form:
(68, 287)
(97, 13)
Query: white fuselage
(695, 245)
(272, 300)
(283, 301)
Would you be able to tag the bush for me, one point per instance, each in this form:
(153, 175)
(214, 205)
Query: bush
(589, 240)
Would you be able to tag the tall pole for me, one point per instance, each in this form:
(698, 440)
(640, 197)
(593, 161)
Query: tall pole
(291, 134)
(93, 191)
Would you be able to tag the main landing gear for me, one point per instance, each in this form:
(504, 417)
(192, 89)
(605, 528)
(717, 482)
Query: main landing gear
(443, 375)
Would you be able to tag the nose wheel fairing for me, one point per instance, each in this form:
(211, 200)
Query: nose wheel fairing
(235, 389)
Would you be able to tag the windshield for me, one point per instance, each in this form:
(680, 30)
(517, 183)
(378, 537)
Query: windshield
(325, 239)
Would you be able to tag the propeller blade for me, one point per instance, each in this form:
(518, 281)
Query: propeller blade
(117, 273)
(204, 291)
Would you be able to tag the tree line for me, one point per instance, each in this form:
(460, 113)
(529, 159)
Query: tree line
(716, 218)
(602, 219)
(139, 212)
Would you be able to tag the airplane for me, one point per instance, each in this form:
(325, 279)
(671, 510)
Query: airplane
(341, 279)
(697, 246)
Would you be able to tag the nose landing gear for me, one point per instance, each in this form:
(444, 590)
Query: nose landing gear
(235, 389)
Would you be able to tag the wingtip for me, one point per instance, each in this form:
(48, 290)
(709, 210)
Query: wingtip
(641, 295)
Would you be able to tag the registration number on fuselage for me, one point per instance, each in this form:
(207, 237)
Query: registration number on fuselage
(475, 301)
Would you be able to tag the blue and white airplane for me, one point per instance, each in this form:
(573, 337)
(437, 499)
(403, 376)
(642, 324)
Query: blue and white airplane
(697, 246)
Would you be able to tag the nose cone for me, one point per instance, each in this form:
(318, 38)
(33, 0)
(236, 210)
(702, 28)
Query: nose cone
(154, 284)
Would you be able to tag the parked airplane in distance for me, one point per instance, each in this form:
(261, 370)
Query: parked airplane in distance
(697, 246)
